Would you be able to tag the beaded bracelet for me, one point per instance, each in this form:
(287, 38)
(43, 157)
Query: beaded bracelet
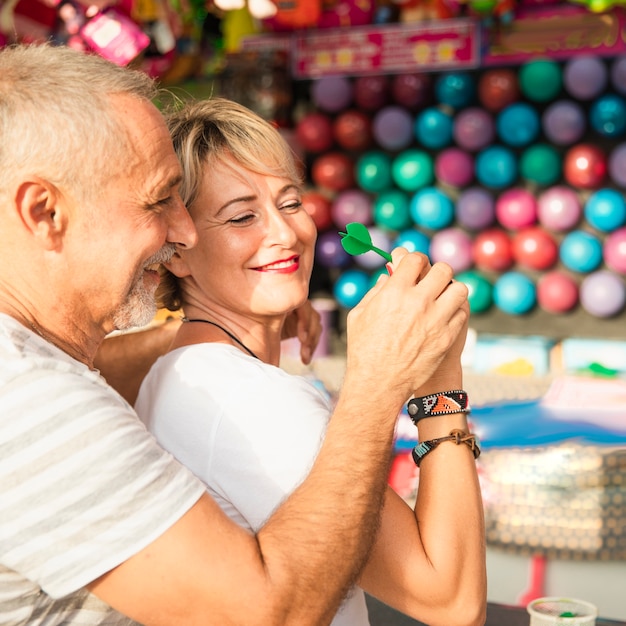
(456, 435)
(442, 403)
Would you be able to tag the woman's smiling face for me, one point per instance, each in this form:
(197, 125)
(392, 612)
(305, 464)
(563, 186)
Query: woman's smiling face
(256, 242)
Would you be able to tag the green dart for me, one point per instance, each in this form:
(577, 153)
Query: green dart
(357, 240)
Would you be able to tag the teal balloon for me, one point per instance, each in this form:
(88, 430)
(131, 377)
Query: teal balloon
(373, 171)
(514, 293)
(480, 290)
(456, 89)
(608, 115)
(350, 287)
(391, 210)
(434, 128)
(412, 169)
(540, 80)
(518, 124)
(541, 164)
(496, 167)
(431, 208)
(605, 210)
(413, 240)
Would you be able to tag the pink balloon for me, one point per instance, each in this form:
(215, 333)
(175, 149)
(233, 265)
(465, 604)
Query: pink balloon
(473, 128)
(352, 205)
(454, 167)
(615, 250)
(516, 208)
(559, 209)
(557, 292)
(452, 246)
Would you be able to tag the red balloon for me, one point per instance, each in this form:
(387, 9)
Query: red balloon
(557, 292)
(317, 206)
(534, 248)
(493, 250)
(411, 90)
(498, 88)
(585, 166)
(353, 130)
(314, 132)
(334, 171)
(371, 93)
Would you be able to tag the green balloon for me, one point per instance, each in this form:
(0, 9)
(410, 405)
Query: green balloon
(541, 164)
(391, 210)
(373, 171)
(412, 169)
(540, 80)
(480, 290)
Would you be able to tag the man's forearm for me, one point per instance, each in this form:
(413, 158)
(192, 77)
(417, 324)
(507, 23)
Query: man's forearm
(342, 498)
(124, 360)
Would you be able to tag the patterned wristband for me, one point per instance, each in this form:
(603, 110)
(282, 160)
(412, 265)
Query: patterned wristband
(458, 436)
(442, 403)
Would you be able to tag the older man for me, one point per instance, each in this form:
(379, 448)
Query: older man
(98, 525)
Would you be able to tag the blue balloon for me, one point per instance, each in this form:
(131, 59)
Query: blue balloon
(434, 128)
(431, 208)
(607, 115)
(606, 210)
(413, 240)
(514, 293)
(350, 287)
(518, 124)
(456, 89)
(496, 167)
(581, 251)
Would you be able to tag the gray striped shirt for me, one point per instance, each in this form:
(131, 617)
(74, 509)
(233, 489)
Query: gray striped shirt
(83, 486)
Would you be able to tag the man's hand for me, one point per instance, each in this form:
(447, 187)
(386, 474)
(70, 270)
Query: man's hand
(400, 332)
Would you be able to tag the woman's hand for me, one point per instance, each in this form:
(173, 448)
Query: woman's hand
(305, 323)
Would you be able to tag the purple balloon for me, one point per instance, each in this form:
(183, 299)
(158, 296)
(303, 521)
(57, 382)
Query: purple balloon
(475, 208)
(585, 77)
(614, 251)
(452, 246)
(352, 205)
(602, 293)
(454, 167)
(332, 93)
(564, 122)
(329, 252)
(371, 259)
(473, 128)
(559, 208)
(618, 75)
(392, 128)
(617, 164)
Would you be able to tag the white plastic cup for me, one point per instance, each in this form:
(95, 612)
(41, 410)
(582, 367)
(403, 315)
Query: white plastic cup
(562, 612)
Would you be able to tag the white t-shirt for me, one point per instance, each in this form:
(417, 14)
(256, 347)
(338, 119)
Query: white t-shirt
(83, 485)
(249, 430)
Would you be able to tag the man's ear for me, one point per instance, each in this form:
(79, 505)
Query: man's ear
(178, 266)
(37, 202)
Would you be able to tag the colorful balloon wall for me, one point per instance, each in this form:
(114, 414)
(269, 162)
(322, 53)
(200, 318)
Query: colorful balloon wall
(513, 176)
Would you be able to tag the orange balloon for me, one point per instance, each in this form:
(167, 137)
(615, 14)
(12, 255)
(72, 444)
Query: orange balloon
(498, 88)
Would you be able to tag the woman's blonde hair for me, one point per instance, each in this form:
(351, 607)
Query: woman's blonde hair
(207, 131)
